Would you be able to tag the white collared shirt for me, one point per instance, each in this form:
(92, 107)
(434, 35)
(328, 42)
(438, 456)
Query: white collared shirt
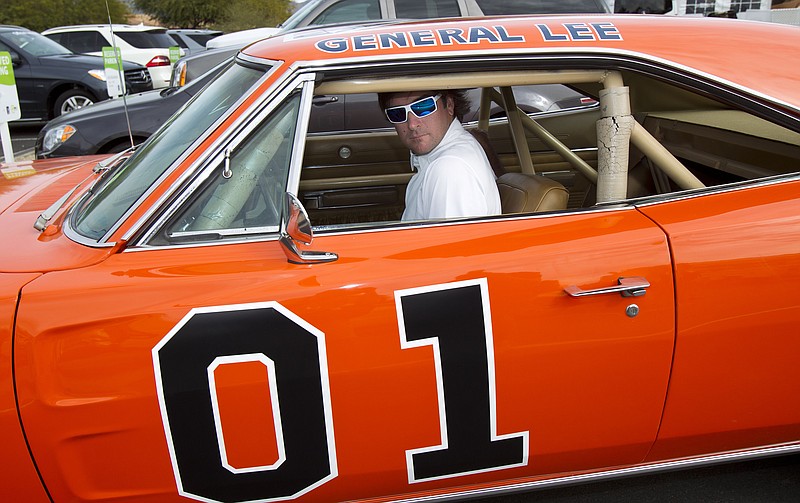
(452, 180)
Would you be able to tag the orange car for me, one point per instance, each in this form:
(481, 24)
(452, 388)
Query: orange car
(170, 332)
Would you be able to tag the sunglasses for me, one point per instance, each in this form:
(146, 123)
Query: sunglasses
(420, 108)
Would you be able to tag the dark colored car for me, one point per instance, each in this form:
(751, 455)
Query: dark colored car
(103, 127)
(52, 80)
(194, 65)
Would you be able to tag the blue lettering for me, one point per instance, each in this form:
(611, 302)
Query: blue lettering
(505, 37)
(476, 33)
(387, 40)
(548, 36)
(450, 36)
(579, 31)
(362, 42)
(423, 37)
(333, 45)
(606, 31)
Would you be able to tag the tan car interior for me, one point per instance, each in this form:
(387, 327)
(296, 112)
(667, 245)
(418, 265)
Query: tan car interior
(655, 138)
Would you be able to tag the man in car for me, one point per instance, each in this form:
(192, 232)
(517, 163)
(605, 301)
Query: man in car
(453, 175)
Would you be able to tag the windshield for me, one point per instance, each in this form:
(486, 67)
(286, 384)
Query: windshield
(35, 44)
(124, 186)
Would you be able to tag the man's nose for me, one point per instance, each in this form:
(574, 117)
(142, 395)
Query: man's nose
(414, 122)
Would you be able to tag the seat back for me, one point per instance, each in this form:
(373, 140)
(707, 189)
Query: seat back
(521, 193)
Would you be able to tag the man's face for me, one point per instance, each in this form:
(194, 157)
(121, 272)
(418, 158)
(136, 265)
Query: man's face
(422, 135)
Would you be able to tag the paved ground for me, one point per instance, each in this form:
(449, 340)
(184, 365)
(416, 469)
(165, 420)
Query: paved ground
(23, 139)
(773, 480)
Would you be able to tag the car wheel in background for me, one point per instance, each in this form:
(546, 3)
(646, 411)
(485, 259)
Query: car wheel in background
(120, 146)
(70, 100)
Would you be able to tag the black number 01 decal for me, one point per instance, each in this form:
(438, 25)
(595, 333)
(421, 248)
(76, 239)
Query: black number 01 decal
(454, 319)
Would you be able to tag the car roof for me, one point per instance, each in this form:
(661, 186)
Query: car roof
(703, 44)
(12, 27)
(106, 27)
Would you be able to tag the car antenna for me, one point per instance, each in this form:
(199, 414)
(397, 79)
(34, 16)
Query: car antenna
(121, 74)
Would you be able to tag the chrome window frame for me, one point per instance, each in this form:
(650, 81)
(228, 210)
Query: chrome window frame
(205, 167)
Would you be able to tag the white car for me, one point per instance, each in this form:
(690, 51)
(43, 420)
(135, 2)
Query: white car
(240, 39)
(146, 45)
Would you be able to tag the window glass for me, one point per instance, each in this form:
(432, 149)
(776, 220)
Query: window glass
(510, 7)
(179, 41)
(154, 39)
(349, 11)
(250, 198)
(425, 9)
(202, 39)
(125, 185)
(85, 41)
(34, 43)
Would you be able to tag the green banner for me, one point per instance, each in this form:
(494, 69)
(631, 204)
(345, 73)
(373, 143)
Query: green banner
(174, 54)
(112, 62)
(9, 101)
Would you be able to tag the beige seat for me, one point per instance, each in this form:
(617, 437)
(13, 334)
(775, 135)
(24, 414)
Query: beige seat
(521, 193)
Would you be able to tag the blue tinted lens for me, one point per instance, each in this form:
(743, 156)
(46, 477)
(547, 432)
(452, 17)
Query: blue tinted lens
(396, 114)
(424, 107)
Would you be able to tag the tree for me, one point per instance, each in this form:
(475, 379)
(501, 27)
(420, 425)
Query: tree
(246, 14)
(39, 15)
(184, 13)
(228, 15)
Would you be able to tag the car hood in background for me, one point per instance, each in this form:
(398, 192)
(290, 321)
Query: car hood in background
(116, 106)
(83, 60)
(26, 190)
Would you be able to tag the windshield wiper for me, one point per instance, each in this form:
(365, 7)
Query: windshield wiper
(103, 167)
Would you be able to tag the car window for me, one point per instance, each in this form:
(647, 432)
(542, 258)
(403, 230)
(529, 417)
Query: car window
(510, 7)
(154, 39)
(99, 213)
(35, 44)
(179, 41)
(246, 192)
(361, 111)
(202, 38)
(84, 41)
(424, 9)
(300, 15)
(349, 11)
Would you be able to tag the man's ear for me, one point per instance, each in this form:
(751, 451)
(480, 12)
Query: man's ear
(451, 106)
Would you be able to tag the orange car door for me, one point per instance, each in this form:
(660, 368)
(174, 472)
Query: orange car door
(736, 376)
(423, 358)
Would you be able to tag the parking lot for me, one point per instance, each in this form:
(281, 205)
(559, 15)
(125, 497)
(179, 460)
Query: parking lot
(23, 139)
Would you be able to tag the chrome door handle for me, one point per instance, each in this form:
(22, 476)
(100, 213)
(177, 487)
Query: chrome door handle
(634, 286)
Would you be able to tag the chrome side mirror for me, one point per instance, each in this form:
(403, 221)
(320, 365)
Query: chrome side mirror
(296, 227)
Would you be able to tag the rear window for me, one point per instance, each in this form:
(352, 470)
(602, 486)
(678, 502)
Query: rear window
(147, 39)
(425, 9)
(510, 7)
(203, 38)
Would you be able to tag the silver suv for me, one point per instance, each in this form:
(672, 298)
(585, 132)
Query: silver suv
(317, 12)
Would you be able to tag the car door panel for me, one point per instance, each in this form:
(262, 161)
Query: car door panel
(737, 257)
(563, 383)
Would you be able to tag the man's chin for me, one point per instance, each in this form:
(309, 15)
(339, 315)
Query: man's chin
(420, 148)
